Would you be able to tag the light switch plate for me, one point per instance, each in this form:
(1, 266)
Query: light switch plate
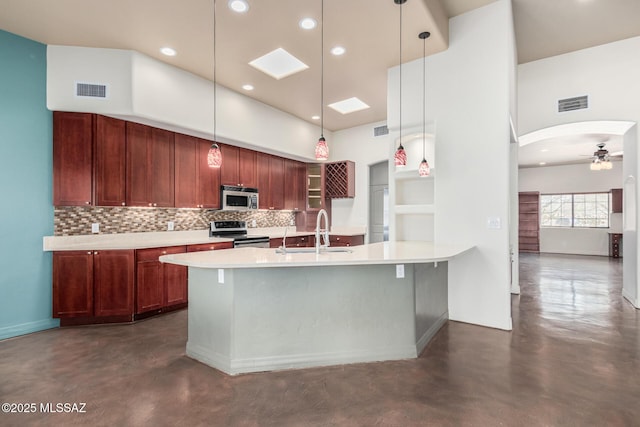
(494, 223)
(221, 275)
(95, 227)
(399, 271)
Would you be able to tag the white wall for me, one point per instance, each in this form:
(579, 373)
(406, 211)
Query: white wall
(148, 91)
(609, 75)
(469, 92)
(357, 144)
(574, 179)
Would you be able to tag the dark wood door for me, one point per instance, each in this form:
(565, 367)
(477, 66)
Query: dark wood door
(529, 222)
(186, 171)
(229, 174)
(72, 158)
(161, 168)
(110, 161)
(138, 192)
(262, 172)
(247, 174)
(276, 182)
(208, 178)
(73, 284)
(113, 282)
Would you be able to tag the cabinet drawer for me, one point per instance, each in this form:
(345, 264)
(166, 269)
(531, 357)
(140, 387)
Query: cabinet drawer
(153, 254)
(209, 246)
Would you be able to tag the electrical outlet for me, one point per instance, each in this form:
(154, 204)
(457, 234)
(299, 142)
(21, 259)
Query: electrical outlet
(399, 271)
(253, 223)
(220, 275)
(170, 226)
(292, 222)
(95, 227)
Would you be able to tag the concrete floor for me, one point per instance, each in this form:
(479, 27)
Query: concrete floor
(572, 359)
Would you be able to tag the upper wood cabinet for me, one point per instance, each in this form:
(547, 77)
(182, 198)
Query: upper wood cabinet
(110, 162)
(271, 181)
(238, 167)
(88, 160)
(150, 166)
(340, 179)
(196, 184)
(616, 200)
(294, 190)
(72, 158)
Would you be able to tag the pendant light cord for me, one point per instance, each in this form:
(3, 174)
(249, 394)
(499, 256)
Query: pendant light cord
(322, 69)
(424, 97)
(215, 103)
(400, 74)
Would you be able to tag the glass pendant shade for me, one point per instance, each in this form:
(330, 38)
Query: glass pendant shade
(322, 149)
(400, 158)
(214, 157)
(423, 169)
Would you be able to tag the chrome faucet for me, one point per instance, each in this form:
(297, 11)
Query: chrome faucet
(324, 233)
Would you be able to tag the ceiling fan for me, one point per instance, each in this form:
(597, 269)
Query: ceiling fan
(600, 159)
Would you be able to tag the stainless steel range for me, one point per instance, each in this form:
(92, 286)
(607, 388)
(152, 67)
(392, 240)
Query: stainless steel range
(237, 230)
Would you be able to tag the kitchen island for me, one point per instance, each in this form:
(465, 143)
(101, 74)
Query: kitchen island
(253, 309)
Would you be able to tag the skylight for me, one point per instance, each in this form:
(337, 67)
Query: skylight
(278, 64)
(349, 105)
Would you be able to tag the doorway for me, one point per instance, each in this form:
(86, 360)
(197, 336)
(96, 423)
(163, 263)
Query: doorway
(379, 202)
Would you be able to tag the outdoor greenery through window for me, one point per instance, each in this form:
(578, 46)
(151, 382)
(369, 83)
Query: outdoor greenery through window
(574, 210)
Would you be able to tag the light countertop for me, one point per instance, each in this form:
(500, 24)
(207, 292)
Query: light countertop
(160, 239)
(375, 253)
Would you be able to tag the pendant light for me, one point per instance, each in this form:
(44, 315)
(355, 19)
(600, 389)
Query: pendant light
(423, 169)
(322, 149)
(400, 157)
(214, 156)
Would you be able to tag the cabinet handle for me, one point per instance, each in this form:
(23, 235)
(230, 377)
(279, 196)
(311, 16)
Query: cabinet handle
(123, 203)
(89, 253)
(155, 204)
(96, 253)
(150, 204)
(338, 239)
(164, 252)
(87, 203)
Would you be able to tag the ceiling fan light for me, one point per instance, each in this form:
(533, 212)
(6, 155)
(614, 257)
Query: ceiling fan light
(607, 165)
(595, 165)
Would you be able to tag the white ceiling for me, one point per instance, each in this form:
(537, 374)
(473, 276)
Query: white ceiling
(368, 29)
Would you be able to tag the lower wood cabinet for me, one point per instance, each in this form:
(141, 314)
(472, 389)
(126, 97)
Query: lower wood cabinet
(159, 285)
(209, 246)
(335, 240)
(90, 284)
(309, 241)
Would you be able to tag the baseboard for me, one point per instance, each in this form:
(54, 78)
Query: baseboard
(633, 301)
(426, 337)
(295, 361)
(28, 328)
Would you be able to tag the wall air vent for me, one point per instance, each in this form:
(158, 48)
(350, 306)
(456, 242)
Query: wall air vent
(381, 130)
(572, 104)
(91, 90)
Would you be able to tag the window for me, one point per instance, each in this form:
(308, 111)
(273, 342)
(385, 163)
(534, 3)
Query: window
(575, 210)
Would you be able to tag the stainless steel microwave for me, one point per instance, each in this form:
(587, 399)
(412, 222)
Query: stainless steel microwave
(238, 198)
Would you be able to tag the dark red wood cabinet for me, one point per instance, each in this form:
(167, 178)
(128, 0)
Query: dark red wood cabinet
(294, 181)
(150, 166)
(336, 240)
(196, 184)
(72, 158)
(238, 167)
(209, 246)
(159, 285)
(109, 161)
(91, 284)
(616, 200)
(271, 181)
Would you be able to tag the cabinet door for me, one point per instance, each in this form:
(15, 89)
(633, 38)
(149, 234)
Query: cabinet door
(110, 161)
(72, 158)
(276, 182)
(161, 168)
(208, 195)
(113, 281)
(247, 168)
(138, 190)
(149, 286)
(73, 284)
(262, 171)
(209, 246)
(616, 200)
(229, 169)
(294, 178)
(175, 281)
(186, 171)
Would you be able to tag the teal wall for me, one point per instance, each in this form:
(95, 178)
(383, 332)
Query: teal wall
(26, 187)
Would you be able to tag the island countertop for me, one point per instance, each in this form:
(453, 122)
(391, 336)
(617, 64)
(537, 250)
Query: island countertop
(375, 253)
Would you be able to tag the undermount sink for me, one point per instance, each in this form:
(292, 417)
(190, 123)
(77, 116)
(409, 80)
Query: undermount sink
(296, 250)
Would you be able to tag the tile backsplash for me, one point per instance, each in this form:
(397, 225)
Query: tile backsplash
(77, 220)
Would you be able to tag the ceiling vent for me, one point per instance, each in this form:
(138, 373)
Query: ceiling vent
(91, 90)
(381, 130)
(572, 104)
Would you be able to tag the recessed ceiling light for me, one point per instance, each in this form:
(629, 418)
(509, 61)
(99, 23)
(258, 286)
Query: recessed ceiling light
(542, 163)
(544, 150)
(168, 51)
(247, 87)
(239, 6)
(315, 117)
(338, 50)
(349, 105)
(279, 64)
(307, 23)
